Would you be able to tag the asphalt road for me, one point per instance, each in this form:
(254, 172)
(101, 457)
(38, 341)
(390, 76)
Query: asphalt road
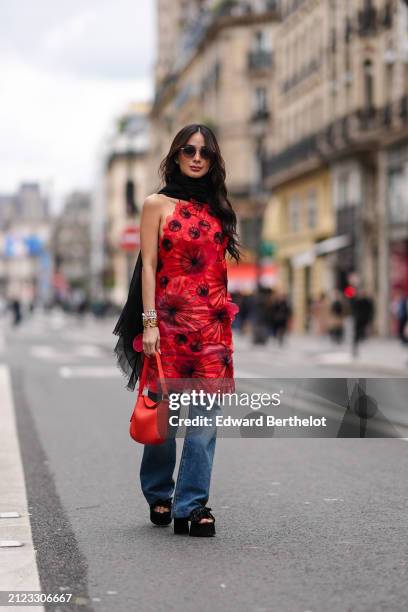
(303, 524)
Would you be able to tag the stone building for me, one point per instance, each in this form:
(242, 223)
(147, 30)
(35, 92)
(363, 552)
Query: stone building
(220, 72)
(70, 242)
(125, 187)
(340, 94)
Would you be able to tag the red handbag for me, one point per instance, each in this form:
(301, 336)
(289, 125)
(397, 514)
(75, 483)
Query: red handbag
(149, 420)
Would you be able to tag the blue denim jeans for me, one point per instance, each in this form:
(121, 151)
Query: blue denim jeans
(194, 475)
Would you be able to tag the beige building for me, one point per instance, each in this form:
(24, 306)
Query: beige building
(221, 75)
(70, 241)
(125, 188)
(339, 75)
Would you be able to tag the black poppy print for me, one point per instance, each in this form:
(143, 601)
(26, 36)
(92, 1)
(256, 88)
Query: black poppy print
(185, 213)
(175, 225)
(194, 309)
(180, 339)
(163, 281)
(196, 346)
(194, 232)
(167, 244)
(203, 289)
(204, 225)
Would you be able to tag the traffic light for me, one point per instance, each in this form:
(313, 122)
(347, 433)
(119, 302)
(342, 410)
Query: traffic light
(349, 291)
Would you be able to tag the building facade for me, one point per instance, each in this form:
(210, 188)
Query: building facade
(340, 87)
(71, 244)
(125, 188)
(222, 76)
(25, 230)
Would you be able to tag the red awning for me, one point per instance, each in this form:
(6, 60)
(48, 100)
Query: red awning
(243, 276)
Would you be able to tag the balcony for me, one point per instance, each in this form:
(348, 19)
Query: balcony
(260, 114)
(307, 70)
(387, 115)
(387, 15)
(291, 7)
(259, 60)
(294, 154)
(367, 117)
(368, 20)
(242, 7)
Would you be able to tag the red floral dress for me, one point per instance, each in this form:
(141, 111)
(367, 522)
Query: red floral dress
(194, 307)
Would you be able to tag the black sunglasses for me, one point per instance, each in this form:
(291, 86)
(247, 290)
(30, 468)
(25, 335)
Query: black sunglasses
(190, 151)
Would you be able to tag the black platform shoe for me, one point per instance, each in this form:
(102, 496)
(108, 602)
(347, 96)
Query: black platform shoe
(196, 529)
(181, 526)
(201, 529)
(161, 518)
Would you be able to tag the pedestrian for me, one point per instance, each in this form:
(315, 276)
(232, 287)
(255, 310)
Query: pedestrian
(402, 316)
(336, 317)
(246, 308)
(320, 314)
(282, 312)
(260, 326)
(179, 286)
(362, 310)
(15, 307)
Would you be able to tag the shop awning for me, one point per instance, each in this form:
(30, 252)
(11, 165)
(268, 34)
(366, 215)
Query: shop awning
(332, 244)
(306, 258)
(243, 277)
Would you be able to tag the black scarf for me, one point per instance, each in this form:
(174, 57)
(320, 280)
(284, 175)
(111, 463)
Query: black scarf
(187, 187)
(130, 322)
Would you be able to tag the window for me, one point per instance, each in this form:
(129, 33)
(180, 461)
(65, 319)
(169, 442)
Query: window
(260, 100)
(259, 41)
(343, 187)
(312, 209)
(294, 214)
(388, 81)
(368, 84)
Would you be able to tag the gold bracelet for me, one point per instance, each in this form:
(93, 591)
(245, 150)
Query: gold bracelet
(150, 323)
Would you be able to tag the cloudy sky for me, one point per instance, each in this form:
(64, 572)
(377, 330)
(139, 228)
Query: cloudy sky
(67, 69)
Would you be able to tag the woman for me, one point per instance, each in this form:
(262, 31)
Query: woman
(180, 281)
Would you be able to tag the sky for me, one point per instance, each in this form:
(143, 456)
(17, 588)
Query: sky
(67, 69)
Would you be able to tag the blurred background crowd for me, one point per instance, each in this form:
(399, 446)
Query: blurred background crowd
(309, 102)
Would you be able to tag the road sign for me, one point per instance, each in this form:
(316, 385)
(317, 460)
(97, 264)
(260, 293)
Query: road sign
(130, 238)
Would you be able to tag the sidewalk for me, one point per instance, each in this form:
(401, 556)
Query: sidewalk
(18, 570)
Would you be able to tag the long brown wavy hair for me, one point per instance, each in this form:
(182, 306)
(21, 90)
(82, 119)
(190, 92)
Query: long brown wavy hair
(221, 205)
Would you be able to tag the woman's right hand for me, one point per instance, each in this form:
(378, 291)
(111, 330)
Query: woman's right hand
(151, 341)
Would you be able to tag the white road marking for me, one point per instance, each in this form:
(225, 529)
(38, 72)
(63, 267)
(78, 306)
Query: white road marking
(238, 373)
(88, 350)
(44, 352)
(50, 353)
(18, 570)
(333, 358)
(89, 372)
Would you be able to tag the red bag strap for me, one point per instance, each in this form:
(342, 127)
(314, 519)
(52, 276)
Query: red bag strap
(144, 373)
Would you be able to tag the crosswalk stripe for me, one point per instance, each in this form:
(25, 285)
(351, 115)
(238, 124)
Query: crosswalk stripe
(89, 372)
